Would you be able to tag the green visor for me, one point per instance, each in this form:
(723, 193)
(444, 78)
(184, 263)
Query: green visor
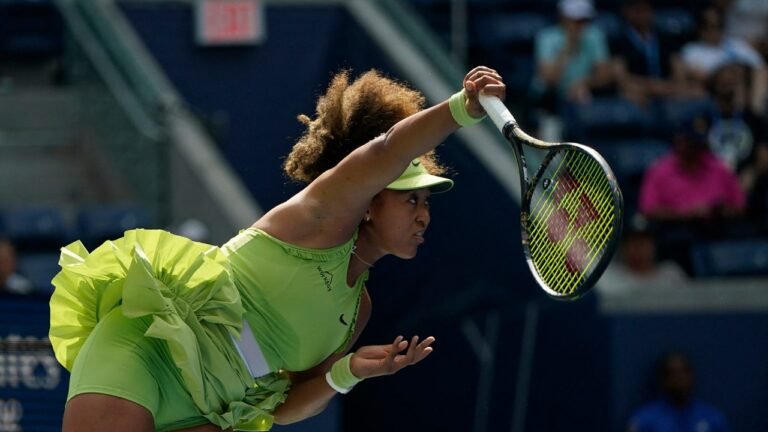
(417, 177)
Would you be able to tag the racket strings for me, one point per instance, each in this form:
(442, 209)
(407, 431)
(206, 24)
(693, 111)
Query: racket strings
(566, 268)
(567, 277)
(585, 244)
(550, 264)
(571, 221)
(579, 230)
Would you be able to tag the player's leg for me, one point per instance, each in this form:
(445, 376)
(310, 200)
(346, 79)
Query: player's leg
(112, 386)
(99, 412)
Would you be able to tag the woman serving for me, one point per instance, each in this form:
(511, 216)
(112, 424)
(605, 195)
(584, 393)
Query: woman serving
(162, 333)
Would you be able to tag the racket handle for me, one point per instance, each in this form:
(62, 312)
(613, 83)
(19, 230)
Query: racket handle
(497, 111)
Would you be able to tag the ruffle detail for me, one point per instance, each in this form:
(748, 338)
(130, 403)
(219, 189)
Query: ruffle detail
(188, 290)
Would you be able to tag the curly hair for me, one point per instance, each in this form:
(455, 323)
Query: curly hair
(349, 115)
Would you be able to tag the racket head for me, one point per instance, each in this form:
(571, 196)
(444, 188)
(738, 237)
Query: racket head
(572, 213)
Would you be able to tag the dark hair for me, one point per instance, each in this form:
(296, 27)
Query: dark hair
(349, 115)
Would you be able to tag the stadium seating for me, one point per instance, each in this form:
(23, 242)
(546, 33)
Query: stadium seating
(30, 29)
(39, 232)
(609, 117)
(629, 157)
(97, 223)
(730, 258)
(673, 112)
(39, 268)
(677, 24)
(515, 32)
(34, 229)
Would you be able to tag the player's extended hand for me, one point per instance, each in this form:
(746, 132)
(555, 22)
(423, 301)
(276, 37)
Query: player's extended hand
(376, 360)
(486, 80)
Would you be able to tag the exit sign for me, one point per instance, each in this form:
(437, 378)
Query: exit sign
(230, 22)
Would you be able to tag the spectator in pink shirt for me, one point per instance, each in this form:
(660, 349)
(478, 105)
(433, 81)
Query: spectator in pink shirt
(690, 182)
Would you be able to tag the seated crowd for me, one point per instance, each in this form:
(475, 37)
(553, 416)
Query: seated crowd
(672, 94)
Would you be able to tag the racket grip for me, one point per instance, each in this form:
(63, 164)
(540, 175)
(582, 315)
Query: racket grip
(497, 111)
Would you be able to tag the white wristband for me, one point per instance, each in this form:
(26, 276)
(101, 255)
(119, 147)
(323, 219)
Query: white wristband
(335, 386)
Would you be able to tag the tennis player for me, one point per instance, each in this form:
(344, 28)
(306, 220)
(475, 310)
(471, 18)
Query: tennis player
(163, 333)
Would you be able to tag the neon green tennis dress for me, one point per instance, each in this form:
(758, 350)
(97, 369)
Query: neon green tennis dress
(156, 319)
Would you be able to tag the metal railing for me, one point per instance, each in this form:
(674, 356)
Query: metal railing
(132, 109)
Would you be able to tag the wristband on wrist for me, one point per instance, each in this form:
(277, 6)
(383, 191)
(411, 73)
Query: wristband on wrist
(458, 105)
(340, 377)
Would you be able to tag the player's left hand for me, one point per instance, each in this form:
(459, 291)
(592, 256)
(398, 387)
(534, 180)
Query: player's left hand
(376, 360)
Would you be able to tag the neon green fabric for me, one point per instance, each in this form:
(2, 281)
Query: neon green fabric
(297, 300)
(416, 176)
(185, 292)
(457, 103)
(341, 373)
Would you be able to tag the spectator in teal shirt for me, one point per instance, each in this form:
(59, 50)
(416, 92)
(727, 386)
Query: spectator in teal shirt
(572, 59)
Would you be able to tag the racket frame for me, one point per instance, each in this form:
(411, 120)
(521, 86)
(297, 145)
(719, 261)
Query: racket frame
(516, 137)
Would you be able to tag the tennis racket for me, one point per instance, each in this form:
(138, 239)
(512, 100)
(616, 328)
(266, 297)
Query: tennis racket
(571, 210)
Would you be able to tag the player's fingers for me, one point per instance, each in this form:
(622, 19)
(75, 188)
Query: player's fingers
(423, 354)
(485, 81)
(426, 342)
(470, 84)
(414, 344)
(480, 69)
(487, 75)
(498, 90)
(470, 88)
(398, 345)
(410, 355)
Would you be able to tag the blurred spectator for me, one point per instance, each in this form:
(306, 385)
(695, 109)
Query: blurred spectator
(713, 49)
(690, 182)
(748, 20)
(10, 281)
(677, 410)
(637, 266)
(757, 203)
(736, 131)
(645, 63)
(738, 135)
(571, 58)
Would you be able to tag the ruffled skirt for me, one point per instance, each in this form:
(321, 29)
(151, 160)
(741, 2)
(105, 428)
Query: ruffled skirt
(187, 289)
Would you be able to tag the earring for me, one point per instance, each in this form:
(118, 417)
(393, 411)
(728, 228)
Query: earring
(367, 218)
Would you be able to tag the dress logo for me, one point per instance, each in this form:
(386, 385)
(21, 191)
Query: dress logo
(327, 278)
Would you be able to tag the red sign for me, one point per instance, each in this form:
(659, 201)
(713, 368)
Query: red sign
(229, 22)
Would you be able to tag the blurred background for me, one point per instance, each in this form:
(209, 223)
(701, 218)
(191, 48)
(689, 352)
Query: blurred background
(176, 114)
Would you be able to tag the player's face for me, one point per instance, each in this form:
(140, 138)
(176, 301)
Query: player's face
(399, 220)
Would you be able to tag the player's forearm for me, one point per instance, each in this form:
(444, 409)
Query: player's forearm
(305, 399)
(419, 133)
